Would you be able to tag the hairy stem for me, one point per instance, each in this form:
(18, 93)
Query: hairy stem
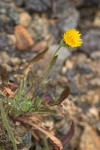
(6, 124)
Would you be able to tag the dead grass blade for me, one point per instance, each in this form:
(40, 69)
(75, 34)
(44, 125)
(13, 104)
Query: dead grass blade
(68, 136)
(65, 93)
(56, 142)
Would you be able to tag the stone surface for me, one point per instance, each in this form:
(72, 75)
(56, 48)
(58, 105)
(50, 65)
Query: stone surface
(95, 55)
(97, 19)
(39, 28)
(91, 41)
(70, 21)
(27, 138)
(89, 140)
(67, 15)
(4, 44)
(23, 38)
(24, 19)
(6, 24)
(19, 2)
(63, 54)
(37, 5)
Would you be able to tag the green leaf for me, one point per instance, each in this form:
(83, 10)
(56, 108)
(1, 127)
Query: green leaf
(62, 43)
(26, 106)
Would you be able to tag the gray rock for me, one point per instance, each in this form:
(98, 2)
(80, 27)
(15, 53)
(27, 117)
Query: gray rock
(74, 90)
(63, 54)
(67, 15)
(3, 41)
(71, 73)
(6, 24)
(91, 41)
(19, 2)
(95, 55)
(83, 68)
(95, 82)
(27, 138)
(70, 21)
(98, 126)
(38, 28)
(37, 5)
(13, 15)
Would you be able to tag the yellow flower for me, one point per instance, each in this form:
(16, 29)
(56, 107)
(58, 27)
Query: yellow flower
(72, 38)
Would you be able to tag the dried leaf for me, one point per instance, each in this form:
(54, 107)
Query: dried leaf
(35, 59)
(63, 96)
(39, 46)
(40, 55)
(68, 136)
(49, 134)
(9, 92)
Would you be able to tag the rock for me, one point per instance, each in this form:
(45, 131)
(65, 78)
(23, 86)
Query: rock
(62, 80)
(67, 15)
(23, 38)
(63, 70)
(39, 28)
(90, 3)
(95, 55)
(89, 140)
(71, 73)
(4, 45)
(13, 15)
(19, 2)
(6, 24)
(98, 125)
(54, 30)
(12, 39)
(97, 20)
(27, 138)
(77, 3)
(40, 46)
(63, 53)
(37, 5)
(93, 112)
(24, 19)
(91, 41)
(68, 22)
(5, 6)
(15, 61)
(74, 90)
(4, 57)
(69, 64)
(95, 82)
(84, 69)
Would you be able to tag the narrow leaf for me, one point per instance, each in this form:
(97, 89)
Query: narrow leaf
(7, 126)
(63, 96)
(68, 136)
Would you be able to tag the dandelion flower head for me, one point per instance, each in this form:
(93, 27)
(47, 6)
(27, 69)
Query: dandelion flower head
(72, 38)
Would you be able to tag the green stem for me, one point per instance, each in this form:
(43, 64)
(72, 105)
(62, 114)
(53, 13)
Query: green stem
(6, 123)
(53, 58)
(46, 72)
(55, 53)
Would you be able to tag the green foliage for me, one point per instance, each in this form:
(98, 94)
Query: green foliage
(26, 100)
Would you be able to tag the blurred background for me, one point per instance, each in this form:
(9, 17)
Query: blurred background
(27, 27)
